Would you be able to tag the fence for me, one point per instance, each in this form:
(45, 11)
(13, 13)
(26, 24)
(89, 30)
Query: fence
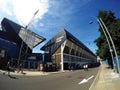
(116, 64)
(25, 64)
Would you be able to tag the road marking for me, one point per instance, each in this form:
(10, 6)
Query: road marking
(86, 80)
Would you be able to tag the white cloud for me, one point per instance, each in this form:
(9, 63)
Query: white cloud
(44, 1)
(25, 9)
(41, 25)
(5, 7)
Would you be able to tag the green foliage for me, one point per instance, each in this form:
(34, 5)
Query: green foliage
(115, 33)
(107, 17)
(113, 25)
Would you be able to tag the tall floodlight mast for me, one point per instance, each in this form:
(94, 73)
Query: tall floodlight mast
(26, 37)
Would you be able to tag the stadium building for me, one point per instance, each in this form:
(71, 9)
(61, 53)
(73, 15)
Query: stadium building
(17, 41)
(65, 50)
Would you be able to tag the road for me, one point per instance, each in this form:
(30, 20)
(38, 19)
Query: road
(58, 81)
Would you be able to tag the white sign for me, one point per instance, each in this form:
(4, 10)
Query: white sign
(59, 39)
(2, 54)
(32, 57)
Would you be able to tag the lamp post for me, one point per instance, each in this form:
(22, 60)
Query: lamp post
(112, 45)
(110, 49)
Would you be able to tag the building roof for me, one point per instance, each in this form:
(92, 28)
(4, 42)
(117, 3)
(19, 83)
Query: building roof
(30, 38)
(59, 38)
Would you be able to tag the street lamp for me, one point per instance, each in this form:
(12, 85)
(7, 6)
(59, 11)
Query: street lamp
(112, 44)
(110, 49)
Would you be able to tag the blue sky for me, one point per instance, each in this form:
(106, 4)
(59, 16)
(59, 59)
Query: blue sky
(54, 15)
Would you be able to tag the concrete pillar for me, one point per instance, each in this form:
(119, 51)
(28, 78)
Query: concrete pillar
(62, 61)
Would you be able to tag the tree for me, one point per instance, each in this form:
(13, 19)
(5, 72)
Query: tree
(113, 25)
(115, 33)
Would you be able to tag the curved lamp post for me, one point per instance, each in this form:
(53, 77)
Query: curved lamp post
(114, 49)
(110, 49)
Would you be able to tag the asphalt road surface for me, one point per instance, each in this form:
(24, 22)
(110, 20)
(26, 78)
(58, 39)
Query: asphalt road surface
(60, 81)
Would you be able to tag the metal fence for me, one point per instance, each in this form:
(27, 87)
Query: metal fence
(35, 65)
(116, 64)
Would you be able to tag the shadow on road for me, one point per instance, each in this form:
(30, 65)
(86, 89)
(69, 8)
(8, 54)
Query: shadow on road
(12, 77)
(24, 73)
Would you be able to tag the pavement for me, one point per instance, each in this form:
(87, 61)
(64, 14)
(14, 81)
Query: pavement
(106, 79)
(29, 73)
